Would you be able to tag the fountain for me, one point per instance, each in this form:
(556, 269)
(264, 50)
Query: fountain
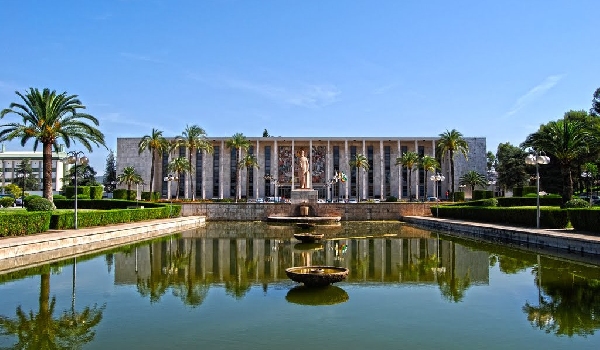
(328, 295)
(317, 276)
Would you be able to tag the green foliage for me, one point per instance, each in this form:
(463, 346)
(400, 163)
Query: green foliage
(482, 194)
(490, 202)
(110, 172)
(28, 199)
(13, 189)
(7, 201)
(549, 200)
(22, 223)
(65, 220)
(391, 199)
(147, 196)
(59, 196)
(577, 203)
(96, 192)
(103, 204)
(70, 191)
(120, 193)
(40, 204)
(511, 166)
(585, 219)
(551, 217)
(459, 196)
(83, 196)
(472, 179)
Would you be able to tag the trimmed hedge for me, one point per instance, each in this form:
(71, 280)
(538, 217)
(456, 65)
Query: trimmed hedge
(61, 221)
(458, 196)
(22, 223)
(524, 191)
(69, 191)
(103, 204)
(550, 217)
(6, 202)
(585, 219)
(96, 192)
(150, 196)
(482, 194)
(529, 201)
(122, 194)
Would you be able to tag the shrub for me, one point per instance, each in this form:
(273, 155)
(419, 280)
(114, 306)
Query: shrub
(28, 199)
(490, 202)
(96, 192)
(40, 204)
(585, 219)
(83, 196)
(150, 196)
(391, 199)
(458, 196)
(21, 223)
(577, 203)
(59, 196)
(6, 202)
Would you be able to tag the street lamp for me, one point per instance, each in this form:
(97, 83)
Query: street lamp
(22, 174)
(168, 179)
(437, 177)
(536, 158)
(76, 157)
(589, 177)
(275, 183)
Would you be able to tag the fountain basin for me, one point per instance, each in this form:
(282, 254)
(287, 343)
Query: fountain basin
(308, 237)
(314, 276)
(327, 295)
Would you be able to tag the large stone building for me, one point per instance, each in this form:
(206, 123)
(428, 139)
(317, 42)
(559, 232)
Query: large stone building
(214, 174)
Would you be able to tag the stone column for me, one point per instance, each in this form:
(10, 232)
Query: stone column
(381, 171)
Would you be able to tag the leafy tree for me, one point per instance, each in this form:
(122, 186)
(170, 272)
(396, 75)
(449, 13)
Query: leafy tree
(46, 118)
(240, 143)
(180, 166)
(266, 133)
(249, 161)
(452, 141)
(595, 111)
(129, 177)
(86, 175)
(511, 166)
(492, 162)
(359, 162)
(110, 173)
(32, 183)
(566, 140)
(194, 139)
(472, 178)
(156, 144)
(429, 164)
(408, 160)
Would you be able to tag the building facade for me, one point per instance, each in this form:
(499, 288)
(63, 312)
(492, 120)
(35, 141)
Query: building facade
(215, 174)
(11, 160)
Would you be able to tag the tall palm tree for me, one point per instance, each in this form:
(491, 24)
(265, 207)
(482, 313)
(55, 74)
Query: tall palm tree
(429, 164)
(46, 118)
(180, 166)
(359, 162)
(408, 160)
(450, 142)
(129, 177)
(240, 143)
(472, 178)
(249, 161)
(156, 144)
(566, 140)
(194, 139)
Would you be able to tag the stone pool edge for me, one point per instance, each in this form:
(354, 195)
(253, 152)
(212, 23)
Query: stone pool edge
(17, 252)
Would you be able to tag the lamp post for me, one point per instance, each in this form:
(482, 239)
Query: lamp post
(168, 179)
(76, 158)
(22, 175)
(437, 177)
(536, 158)
(275, 183)
(589, 177)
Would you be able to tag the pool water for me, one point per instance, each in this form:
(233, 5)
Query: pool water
(223, 286)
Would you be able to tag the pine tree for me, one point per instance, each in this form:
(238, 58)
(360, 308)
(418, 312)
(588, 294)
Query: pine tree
(110, 173)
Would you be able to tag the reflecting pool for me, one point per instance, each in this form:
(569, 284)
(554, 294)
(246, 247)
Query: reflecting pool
(223, 286)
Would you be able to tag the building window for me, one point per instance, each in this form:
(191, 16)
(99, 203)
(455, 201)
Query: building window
(421, 173)
(370, 193)
(198, 174)
(268, 170)
(387, 159)
(165, 170)
(233, 172)
(250, 174)
(404, 149)
(353, 172)
(181, 181)
(216, 164)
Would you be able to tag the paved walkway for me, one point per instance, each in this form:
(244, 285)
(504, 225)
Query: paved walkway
(566, 239)
(58, 244)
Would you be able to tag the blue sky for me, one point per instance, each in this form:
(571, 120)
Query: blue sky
(306, 68)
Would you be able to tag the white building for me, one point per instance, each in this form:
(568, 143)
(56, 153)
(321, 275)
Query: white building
(10, 161)
(214, 173)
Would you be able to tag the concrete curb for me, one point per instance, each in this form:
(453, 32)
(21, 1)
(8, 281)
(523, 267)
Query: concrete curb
(28, 250)
(567, 240)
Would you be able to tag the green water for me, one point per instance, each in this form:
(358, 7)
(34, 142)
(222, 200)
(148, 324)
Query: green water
(224, 286)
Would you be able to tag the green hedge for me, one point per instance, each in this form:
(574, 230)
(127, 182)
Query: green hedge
(122, 194)
(62, 221)
(103, 204)
(150, 196)
(585, 219)
(22, 223)
(549, 200)
(70, 191)
(96, 192)
(6, 202)
(550, 217)
(482, 194)
(458, 196)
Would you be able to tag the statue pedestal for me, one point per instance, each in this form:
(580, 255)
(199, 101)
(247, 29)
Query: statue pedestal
(306, 195)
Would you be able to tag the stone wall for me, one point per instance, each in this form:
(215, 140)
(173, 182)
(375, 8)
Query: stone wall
(348, 212)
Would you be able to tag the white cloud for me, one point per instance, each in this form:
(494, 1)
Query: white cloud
(534, 93)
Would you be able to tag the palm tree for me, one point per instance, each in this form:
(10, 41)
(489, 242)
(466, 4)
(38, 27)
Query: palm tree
(239, 142)
(179, 165)
(249, 161)
(130, 177)
(46, 118)
(451, 142)
(408, 160)
(194, 139)
(566, 140)
(472, 178)
(428, 163)
(359, 162)
(156, 144)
